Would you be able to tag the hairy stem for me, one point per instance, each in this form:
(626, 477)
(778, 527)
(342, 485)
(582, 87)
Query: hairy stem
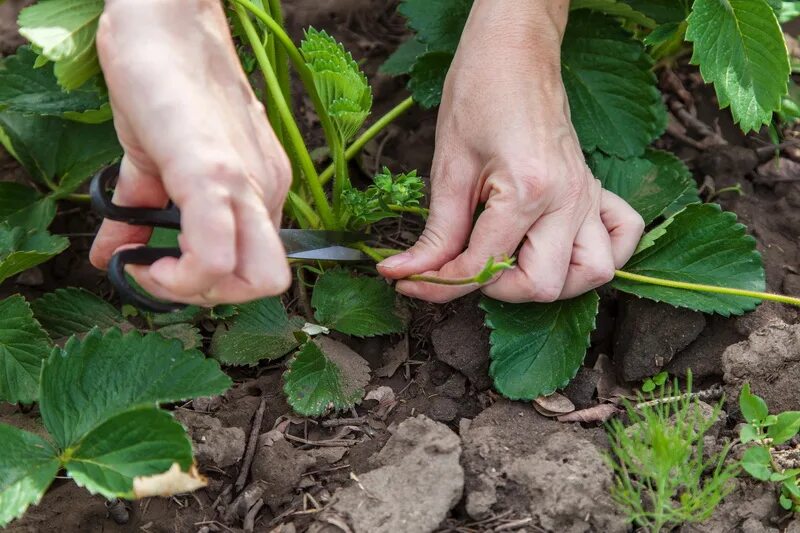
(421, 211)
(305, 214)
(698, 287)
(341, 180)
(294, 136)
(379, 125)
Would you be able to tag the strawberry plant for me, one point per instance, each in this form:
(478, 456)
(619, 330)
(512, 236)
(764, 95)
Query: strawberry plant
(55, 120)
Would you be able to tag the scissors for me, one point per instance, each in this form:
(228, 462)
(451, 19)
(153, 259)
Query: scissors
(318, 245)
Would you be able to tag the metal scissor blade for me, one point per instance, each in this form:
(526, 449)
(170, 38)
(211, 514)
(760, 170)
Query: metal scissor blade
(298, 241)
(331, 253)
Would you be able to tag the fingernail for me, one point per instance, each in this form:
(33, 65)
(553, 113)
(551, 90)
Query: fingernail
(395, 261)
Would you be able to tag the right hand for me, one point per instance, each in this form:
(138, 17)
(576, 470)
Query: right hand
(193, 132)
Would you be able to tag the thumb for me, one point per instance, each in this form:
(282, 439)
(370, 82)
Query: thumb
(446, 232)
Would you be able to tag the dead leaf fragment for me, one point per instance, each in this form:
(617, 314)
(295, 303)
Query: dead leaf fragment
(393, 359)
(597, 413)
(553, 405)
(173, 481)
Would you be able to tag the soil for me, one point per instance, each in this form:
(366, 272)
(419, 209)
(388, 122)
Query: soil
(433, 448)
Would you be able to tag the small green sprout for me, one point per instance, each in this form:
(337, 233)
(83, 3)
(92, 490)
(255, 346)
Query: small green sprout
(388, 196)
(650, 384)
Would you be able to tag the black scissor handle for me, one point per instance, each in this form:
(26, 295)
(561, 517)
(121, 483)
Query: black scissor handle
(140, 256)
(137, 216)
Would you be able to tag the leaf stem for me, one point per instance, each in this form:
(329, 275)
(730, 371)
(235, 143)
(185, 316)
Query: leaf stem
(295, 138)
(78, 198)
(305, 214)
(372, 253)
(379, 125)
(699, 287)
(341, 180)
(421, 211)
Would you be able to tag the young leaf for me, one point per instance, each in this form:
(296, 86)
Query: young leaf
(105, 373)
(28, 465)
(21, 250)
(740, 48)
(373, 204)
(69, 311)
(325, 375)
(23, 347)
(64, 31)
(261, 330)
(615, 8)
(747, 434)
(25, 89)
(701, 244)
(650, 184)
(356, 305)
(756, 461)
(785, 428)
(131, 445)
(754, 408)
(61, 151)
(403, 59)
(538, 348)
(616, 106)
(343, 88)
(188, 334)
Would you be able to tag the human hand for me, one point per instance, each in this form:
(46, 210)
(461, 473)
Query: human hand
(194, 132)
(505, 139)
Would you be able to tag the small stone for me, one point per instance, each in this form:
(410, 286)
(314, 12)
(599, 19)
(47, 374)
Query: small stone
(582, 388)
(443, 409)
(454, 387)
(213, 444)
(279, 466)
(462, 342)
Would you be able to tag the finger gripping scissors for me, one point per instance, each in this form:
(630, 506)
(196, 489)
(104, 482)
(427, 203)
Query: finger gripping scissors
(319, 245)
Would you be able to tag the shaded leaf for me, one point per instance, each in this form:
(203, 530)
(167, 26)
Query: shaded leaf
(93, 378)
(438, 24)
(21, 250)
(701, 244)
(66, 312)
(24, 207)
(615, 8)
(403, 59)
(740, 48)
(261, 330)
(427, 78)
(356, 305)
(325, 375)
(615, 104)
(650, 184)
(662, 11)
(135, 443)
(538, 348)
(23, 347)
(28, 465)
(64, 31)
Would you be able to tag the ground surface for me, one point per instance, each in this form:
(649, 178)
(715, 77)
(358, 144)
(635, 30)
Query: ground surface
(436, 449)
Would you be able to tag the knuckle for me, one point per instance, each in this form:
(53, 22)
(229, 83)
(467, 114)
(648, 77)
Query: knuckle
(217, 265)
(543, 293)
(598, 275)
(636, 222)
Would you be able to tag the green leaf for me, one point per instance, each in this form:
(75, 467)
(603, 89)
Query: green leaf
(28, 465)
(662, 11)
(785, 428)
(64, 31)
(438, 24)
(650, 183)
(614, 8)
(58, 150)
(747, 434)
(25, 89)
(691, 196)
(21, 250)
(188, 334)
(325, 375)
(701, 244)
(373, 203)
(788, 11)
(14, 197)
(105, 373)
(537, 348)
(403, 59)
(136, 443)
(356, 305)
(754, 408)
(740, 48)
(427, 78)
(261, 330)
(663, 34)
(23, 347)
(615, 104)
(69, 311)
(342, 86)
(24, 207)
(756, 462)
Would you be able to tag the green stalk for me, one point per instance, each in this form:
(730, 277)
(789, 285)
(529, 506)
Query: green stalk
(368, 135)
(699, 287)
(78, 198)
(421, 211)
(281, 59)
(294, 137)
(306, 215)
(341, 180)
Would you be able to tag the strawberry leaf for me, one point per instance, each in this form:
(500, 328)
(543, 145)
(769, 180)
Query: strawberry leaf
(23, 347)
(740, 48)
(21, 250)
(701, 244)
(438, 24)
(615, 8)
(650, 183)
(28, 465)
(615, 104)
(66, 312)
(325, 375)
(96, 377)
(538, 347)
(356, 305)
(261, 330)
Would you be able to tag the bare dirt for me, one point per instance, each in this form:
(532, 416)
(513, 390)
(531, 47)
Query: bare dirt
(433, 448)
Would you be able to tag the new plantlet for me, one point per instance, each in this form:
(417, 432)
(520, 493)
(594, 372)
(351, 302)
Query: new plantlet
(768, 457)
